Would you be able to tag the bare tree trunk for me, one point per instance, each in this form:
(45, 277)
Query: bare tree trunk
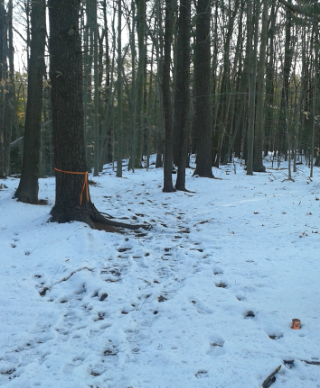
(133, 90)
(167, 104)
(282, 139)
(97, 85)
(4, 96)
(252, 31)
(258, 139)
(225, 89)
(72, 191)
(119, 88)
(269, 98)
(202, 90)
(182, 92)
(28, 186)
(141, 29)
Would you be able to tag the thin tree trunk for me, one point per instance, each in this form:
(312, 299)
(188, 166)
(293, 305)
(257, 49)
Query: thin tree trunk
(253, 28)
(258, 139)
(225, 90)
(182, 92)
(4, 168)
(119, 88)
(96, 120)
(282, 140)
(28, 186)
(167, 104)
(269, 98)
(141, 29)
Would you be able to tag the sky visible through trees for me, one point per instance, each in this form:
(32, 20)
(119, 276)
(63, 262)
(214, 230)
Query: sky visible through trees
(262, 83)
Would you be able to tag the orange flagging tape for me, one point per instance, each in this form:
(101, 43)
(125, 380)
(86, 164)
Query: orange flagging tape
(85, 183)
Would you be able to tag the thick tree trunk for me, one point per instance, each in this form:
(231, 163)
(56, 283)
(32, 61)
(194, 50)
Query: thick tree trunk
(72, 191)
(182, 92)
(202, 90)
(67, 111)
(28, 186)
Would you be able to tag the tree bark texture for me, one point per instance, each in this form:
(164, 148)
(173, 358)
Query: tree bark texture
(28, 186)
(67, 111)
(258, 138)
(182, 92)
(3, 71)
(167, 104)
(6, 94)
(72, 192)
(282, 139)
(141, 30)
(202, 90)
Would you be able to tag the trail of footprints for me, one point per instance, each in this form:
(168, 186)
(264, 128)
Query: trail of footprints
(94, 305)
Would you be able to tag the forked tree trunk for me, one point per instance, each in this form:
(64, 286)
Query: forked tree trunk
(28, 186)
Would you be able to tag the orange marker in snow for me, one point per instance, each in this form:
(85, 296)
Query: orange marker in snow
(296, 324)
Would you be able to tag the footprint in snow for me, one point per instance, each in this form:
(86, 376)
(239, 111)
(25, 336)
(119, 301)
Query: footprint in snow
(202, 373)
(201, 308)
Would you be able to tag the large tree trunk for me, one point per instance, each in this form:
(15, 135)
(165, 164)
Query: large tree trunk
(72, 191)
(67, 112)
(28, 186)
(202, 87)
(182, 92)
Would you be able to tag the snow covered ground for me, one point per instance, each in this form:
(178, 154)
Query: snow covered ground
(204, 299)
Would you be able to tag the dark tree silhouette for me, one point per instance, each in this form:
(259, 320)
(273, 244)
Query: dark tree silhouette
(72, 192)
(182, 93)
(202, 90)
(28, 186)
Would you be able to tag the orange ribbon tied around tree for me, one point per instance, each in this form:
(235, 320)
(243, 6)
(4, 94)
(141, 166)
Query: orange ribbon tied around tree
(85, 183)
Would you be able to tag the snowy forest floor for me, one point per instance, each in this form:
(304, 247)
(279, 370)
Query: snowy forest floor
(204, 299)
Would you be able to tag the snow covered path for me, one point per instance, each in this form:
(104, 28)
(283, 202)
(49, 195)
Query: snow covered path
(204, 299)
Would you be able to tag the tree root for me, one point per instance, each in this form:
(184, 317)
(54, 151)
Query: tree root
(90, 215)
(99, 218)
